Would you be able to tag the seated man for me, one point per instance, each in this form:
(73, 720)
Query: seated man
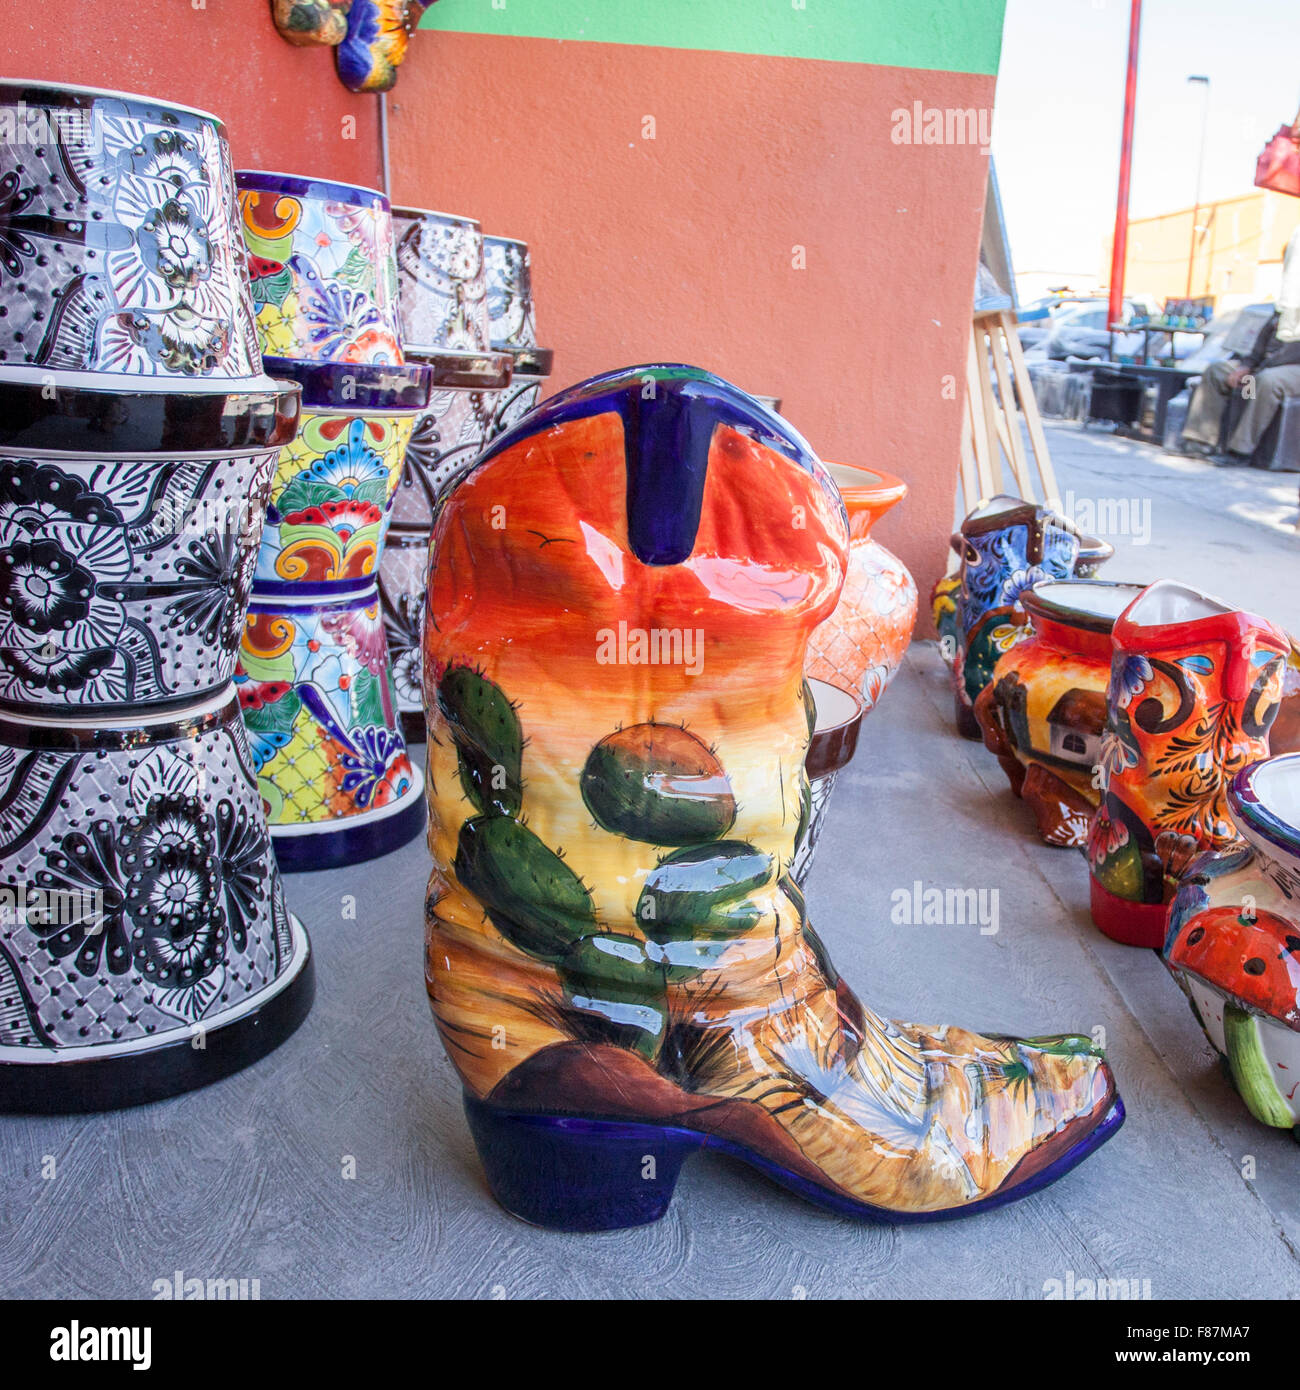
(1265, 378)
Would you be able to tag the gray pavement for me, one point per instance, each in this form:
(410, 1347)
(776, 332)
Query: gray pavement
(246, 1179)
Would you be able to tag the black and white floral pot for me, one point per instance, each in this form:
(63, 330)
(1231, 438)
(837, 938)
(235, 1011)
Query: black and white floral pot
(145, 944)
(120, 249)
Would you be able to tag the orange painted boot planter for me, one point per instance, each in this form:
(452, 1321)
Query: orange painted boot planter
(1194, 687)
(1044, 711)
(619, 962)
(861, 645)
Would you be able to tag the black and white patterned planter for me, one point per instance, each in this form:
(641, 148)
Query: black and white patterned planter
(145, 945)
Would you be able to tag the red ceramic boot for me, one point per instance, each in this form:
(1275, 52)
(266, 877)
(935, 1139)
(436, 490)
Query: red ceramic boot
(1194, 687)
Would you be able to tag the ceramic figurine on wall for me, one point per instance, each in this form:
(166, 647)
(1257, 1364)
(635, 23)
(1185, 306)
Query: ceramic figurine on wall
(322, 268)
(1007, 546)
(374, 47)
(122, 249)
(1194, 687)
(861, 645)
(619, 962)
(309, 22)
(1234, 941)
(1044, 710)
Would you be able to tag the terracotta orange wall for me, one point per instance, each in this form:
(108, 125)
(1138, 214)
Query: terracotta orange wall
(680, 248)
(283, 106)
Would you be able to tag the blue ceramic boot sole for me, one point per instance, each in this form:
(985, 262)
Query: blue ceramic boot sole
(572, 1174)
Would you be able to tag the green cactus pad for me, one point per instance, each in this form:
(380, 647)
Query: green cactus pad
(704, 891)
(488, 739)
(617, 990)
(531, 895)
(660, 784)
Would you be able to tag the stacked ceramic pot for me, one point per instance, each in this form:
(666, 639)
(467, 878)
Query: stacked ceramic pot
(315, 678)
(443, 302)
(145, 944)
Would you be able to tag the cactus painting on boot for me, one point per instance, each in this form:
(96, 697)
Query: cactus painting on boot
(619, 963)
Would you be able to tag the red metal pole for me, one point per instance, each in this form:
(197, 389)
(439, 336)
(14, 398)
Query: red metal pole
(1119, 250)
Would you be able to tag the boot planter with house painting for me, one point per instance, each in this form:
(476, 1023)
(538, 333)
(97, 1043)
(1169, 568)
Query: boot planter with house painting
(1233, 942)
(861, 645)
(1044, 710)
(619, 962)
(1006, 546)
(1194, 687)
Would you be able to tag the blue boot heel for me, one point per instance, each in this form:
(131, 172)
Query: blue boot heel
(570, 1174)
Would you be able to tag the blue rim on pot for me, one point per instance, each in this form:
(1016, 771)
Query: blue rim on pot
(60, 413)
(308, 186)
(1252, 798)
(358, 386)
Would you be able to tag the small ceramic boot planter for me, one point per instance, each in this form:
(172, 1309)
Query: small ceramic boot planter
(1006, 546)
(861, 645)
(1193, 690)
(1234, 942)
(618, 960)
(1044, 711)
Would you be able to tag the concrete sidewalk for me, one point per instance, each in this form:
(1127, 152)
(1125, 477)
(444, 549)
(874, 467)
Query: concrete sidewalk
(246, 1179)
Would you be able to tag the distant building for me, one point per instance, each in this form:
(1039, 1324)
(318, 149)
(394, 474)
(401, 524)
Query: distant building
(1238, 256)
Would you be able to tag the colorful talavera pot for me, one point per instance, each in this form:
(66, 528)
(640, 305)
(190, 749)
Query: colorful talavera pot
(129, 529)
(617, 957)
(1007, 546)
(403, 581)
(316, 690)
(1233, 942)
(322, 268)
(861, 645)
(836, 719)
(1194, 687)
(442, 289)
(145, 947)
(121, 246)
(1044, 711)
(334, 482)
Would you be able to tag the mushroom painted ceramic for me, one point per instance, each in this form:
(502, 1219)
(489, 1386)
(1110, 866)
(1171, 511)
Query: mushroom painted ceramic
(1234, 942)
(861, 645)
(1194, 688)
(1044, 711)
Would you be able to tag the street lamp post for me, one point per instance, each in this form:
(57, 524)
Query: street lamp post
(1203, 82)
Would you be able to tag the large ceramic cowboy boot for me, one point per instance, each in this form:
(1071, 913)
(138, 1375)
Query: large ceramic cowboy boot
(620, 965)
(1194, 687)
(1007, 546)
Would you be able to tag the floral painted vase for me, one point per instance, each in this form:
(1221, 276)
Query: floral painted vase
(311, 22)
(119, 241)
(1233, 942)
(619, 961)
(1044, 711)
(1007, 546)
(837, 718)
(322, 268)
(317, 695)
(861, 645)
(146, 947)
(1194, 687)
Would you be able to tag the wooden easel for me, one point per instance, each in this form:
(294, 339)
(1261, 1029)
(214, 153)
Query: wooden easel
(993, 454)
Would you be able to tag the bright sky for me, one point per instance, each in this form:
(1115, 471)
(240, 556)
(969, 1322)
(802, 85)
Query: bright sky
(1060, 105)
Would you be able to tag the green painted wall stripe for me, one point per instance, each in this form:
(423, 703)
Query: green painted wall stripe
(943, 35)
